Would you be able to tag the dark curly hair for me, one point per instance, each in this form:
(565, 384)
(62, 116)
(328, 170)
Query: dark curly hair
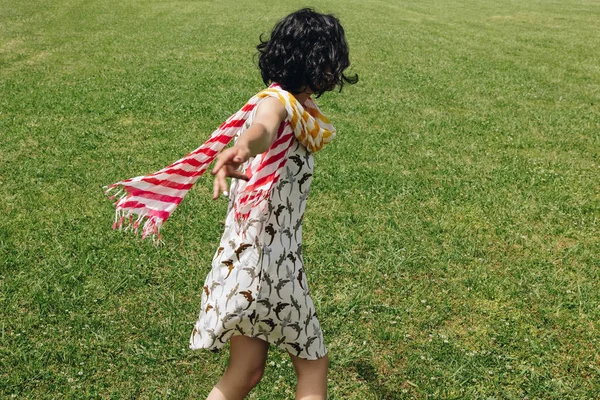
(306, 50)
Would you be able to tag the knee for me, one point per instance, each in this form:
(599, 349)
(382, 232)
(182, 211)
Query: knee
(255, 375)
(248, 378)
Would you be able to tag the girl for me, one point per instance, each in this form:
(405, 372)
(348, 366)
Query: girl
(256, 293)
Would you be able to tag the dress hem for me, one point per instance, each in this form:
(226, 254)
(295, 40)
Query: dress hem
(217, 348)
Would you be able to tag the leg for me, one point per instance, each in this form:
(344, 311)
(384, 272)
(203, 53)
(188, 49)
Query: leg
(312, 378)
(246, 366)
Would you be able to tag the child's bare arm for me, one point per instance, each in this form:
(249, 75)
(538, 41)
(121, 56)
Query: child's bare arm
(255, 140)
(258, 138)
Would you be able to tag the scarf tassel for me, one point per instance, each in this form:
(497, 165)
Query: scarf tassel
(124, 218)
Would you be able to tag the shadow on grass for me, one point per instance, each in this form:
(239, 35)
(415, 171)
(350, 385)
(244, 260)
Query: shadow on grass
(367, 372)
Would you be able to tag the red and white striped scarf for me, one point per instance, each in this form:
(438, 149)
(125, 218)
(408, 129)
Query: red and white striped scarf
(151, 199)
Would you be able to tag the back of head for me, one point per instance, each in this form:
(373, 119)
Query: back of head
(306, 50)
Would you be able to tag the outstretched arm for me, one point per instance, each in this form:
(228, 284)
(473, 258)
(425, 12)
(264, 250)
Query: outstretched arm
(255, 140)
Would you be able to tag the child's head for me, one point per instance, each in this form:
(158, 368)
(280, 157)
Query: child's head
(306, 50)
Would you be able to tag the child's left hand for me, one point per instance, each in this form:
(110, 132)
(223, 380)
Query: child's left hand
(227, 165)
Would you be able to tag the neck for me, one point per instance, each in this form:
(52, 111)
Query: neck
(302, 97)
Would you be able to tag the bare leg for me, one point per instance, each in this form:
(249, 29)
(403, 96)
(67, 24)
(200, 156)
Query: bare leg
(246, 366)
(312, 378)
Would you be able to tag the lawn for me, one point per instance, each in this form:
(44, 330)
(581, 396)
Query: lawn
(452, 236)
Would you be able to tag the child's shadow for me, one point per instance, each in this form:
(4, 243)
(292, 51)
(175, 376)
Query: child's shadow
(367, 372)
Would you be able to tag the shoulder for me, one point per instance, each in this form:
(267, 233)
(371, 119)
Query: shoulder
(271, 107)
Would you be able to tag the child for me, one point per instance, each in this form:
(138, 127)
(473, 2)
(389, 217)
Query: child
(256, 293)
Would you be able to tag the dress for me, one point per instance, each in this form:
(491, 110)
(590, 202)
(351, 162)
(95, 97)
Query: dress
(257, 285)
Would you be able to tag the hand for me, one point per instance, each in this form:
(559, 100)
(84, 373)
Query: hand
(227, 164)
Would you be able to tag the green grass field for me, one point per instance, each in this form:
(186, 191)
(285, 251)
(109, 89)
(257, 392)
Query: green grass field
(451, 237)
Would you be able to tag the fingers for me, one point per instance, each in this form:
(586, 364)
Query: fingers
(226, 165)
(237, 174)
(218, 165)
(219, 184)
(233, 156)
(225, 157)
(215, 189)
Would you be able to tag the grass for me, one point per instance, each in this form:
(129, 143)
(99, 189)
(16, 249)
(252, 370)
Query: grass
(451, 237)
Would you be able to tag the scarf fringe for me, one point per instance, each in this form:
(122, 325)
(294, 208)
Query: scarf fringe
(124, 218)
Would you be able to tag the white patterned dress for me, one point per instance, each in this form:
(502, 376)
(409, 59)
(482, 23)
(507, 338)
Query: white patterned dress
(257, 286)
